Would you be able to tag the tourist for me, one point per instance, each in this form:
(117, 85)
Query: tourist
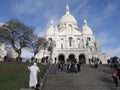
(115, 76)
(108, 61)
(54, 69)
(73, 67)
(78, 66)
(118, 69)
(96, 63)
(68, 66)
(89, 61)
(59, 67)
(34, 69)
(37, 87)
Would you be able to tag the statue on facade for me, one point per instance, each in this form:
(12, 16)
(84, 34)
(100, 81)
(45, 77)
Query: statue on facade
(52, 45)
(96, 45)
(80, 44)
(87, 43)
(83, 43)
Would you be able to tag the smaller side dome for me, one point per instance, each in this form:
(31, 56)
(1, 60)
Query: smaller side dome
(86, 29)
(50, 30)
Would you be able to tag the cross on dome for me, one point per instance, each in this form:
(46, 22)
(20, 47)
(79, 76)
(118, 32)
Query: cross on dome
(85, 22)
(67, 9)
(51, 23)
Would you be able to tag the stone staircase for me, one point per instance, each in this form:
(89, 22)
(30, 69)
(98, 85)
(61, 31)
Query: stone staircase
(88, 79)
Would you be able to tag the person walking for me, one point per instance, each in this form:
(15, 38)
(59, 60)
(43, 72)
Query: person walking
(96, 63)
(118, 69)
(78, 66)
(59, 67)
(55, 68)
(115, 76)
(34, 69)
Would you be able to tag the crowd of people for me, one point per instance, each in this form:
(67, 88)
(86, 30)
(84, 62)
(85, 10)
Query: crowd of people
(69, 67)
(74, 66)
(114, 63)
(94, 62)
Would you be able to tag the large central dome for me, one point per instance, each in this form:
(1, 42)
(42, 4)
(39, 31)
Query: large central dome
(68, 17)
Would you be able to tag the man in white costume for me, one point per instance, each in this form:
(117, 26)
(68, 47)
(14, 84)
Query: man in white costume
(34, 69)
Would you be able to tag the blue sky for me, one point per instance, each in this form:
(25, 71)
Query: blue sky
(103, 17)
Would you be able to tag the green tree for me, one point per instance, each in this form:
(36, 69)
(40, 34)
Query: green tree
(17, 34)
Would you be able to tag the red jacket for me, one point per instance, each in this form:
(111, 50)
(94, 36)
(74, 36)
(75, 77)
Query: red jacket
(115, 73)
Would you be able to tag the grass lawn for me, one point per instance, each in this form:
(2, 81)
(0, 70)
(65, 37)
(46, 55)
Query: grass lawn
(14, 76)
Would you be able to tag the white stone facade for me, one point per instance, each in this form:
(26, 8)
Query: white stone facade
(71, 42)
(7, 51)
(3, 52)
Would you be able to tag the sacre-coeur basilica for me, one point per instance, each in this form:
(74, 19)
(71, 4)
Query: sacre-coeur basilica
(71, 42)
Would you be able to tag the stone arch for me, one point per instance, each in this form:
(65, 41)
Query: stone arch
(82, 58)
(61, 58)
(72, 58)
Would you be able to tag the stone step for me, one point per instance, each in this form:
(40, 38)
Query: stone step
(26, 89)
(86, 68)
(88, 79)
(99, 88)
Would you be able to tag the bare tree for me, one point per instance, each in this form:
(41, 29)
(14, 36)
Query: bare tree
(39, 43)
(17, 34)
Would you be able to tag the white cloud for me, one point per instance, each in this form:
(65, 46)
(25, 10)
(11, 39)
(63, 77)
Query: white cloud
(27, 6)
(106, 41)
(110, 8)
(100, 17)
(82, 9)
(105, 38)
(110, 51)
(42, 33)
(26, 53)
(1, 23)
(51, 17)
(95, 16)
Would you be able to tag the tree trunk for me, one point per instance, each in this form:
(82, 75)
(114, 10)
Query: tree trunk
(19, 58)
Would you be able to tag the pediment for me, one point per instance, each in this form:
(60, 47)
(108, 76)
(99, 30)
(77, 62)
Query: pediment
(62, 32)
(76, 32)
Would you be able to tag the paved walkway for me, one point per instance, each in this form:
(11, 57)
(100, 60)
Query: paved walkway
(88, 79)
(26, 89)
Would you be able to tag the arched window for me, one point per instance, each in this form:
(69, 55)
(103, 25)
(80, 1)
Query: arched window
(70, 41)
(61, 38)
(61, 46)
(78, 45)
(88, 38)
